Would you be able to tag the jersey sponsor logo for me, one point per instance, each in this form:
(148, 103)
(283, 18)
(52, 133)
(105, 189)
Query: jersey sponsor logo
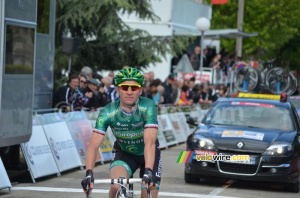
(122, 125)
(131, 141)
(131, 149)
(121, 129)
(157, 174)
(100, 121)
(131, 135)
(138, 124)
(143, 108)
(112, 113)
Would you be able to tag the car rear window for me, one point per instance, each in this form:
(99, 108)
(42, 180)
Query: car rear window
(250, 114)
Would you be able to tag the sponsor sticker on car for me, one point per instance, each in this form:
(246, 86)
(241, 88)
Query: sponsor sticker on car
(243, 134)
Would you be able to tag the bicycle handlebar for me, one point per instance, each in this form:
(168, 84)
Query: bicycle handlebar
(118, 181)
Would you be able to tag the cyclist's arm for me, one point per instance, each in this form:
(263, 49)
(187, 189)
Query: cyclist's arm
(150, 135)
(96, 140)
(95, 143)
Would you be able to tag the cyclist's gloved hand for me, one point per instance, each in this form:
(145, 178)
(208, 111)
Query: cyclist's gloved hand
(149, 179)
(88, 181)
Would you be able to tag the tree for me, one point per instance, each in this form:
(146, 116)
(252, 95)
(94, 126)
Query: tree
(106, 42)
(276, 22)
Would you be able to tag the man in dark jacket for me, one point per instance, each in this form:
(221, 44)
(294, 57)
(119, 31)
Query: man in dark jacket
(62, 98)
(168, 93)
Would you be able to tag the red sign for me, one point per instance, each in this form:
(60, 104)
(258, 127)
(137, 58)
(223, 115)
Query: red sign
(219, 1)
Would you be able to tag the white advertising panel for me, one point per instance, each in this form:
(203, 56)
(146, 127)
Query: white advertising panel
(182, 124)
(179, 133)
(38, 153)
(61, 142)
(166, 129)
(4, 181)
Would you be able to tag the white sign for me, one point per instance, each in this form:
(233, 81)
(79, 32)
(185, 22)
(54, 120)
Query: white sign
(184, 127)
(61, 142)
(4, 181)
(179, 133)
(38, 153)
(166, 129)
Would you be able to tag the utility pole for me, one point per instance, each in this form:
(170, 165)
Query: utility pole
(240, 19)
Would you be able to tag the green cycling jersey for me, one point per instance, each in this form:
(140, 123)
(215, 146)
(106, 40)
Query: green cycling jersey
(128, 128)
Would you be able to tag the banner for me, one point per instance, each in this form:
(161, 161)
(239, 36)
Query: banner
(37, 152)
(186, 110)
(180, 135)
(60, 141)
(81, 132)
(4, 181)
(161, 139)
(183, 124)
(206, 76)
(165, 127)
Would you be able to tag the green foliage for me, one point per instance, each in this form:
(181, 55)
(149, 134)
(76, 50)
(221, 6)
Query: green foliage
(106, 42)
(276, 21)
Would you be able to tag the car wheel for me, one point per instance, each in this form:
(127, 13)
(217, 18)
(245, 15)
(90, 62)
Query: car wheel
(190, 179)
(293, 187)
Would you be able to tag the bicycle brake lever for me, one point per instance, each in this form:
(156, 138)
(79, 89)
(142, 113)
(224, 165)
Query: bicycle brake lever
(87, 191)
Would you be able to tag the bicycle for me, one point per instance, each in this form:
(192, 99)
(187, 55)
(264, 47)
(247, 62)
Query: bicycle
(123, 191)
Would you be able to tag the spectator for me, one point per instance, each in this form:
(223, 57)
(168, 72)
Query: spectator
(96, 98)
(110, 89)
(168, 93)
(112, 75)
(146, 91)
(154, 94)
(79, 100)
(151, 77)
(183, 100)
(195, 58)
(220, 93)
(62, 98)
(204, 96)
(197, 92)
(190, 93)
(87, 71)
(178, 92)
(83, 83)
(157, 82)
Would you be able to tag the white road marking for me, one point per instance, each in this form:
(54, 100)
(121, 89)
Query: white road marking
(219, 190)
(68, 190)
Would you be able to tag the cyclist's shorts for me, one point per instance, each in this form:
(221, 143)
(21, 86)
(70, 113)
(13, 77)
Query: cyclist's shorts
(133, 162)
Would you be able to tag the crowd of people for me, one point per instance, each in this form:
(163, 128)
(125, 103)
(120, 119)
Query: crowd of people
(90, 90)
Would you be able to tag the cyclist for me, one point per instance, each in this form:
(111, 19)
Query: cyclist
(133, 120)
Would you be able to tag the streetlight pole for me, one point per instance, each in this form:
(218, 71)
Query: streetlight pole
(202, 24)
(201, 56)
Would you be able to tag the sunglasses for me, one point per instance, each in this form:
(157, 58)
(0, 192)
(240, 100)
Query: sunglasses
(125, 87)
(84, 82)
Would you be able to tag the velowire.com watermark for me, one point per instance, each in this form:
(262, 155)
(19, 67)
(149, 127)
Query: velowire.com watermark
(210, 156)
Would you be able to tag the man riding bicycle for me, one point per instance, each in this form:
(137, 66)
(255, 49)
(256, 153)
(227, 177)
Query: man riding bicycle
(133, 121)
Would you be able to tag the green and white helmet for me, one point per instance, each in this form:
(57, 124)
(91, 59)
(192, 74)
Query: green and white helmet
(129, 73)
